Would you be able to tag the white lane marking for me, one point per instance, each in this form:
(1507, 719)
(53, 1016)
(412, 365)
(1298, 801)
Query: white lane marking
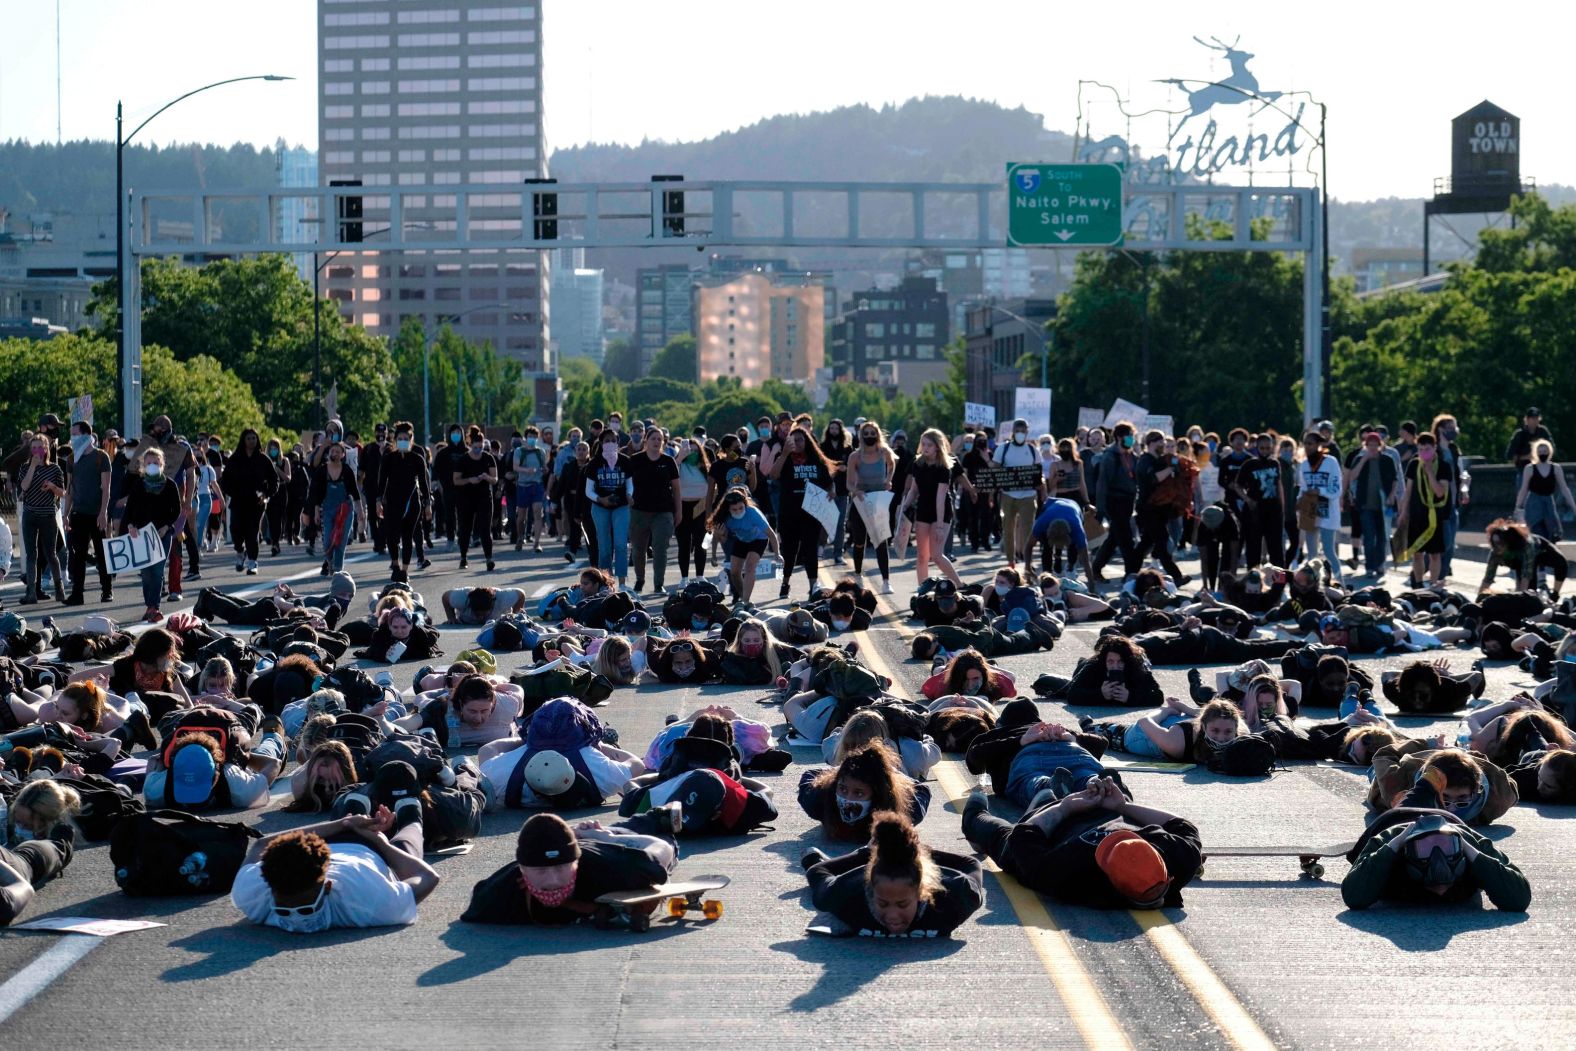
(33, 979)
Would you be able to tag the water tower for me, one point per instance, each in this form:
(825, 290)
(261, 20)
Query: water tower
(1485, 168)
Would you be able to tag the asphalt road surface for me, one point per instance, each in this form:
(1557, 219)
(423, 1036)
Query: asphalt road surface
(1258, 956)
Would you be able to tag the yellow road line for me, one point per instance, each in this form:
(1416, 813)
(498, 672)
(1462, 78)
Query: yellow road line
(1212, 994)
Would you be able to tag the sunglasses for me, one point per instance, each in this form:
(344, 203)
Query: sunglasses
(307, 910)
(682, 647)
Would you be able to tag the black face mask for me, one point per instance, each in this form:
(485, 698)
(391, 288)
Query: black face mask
(159, 435)
(869, 439)
(1439, 868)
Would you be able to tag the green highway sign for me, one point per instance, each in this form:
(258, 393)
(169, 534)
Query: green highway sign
(1064, 204)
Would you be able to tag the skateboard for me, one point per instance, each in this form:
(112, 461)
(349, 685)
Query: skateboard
(1307, 857)
(635, 907)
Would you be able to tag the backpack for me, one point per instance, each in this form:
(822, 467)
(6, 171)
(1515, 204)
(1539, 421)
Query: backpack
(242, 657)
(566, 680)
(424, 754)
(104, 803)
(360, 689)
(562, 725)
(361, 735)
(1251, 755)
(222, 725)
(846, 680)
(167, 852)
(1356, 617)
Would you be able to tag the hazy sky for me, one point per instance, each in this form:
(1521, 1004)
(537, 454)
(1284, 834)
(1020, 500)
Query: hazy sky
(1392, 73)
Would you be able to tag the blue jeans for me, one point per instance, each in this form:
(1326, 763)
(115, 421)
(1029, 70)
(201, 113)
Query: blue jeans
(1452, 523)
(204, 510)
(333, 500)
(1376, 540)
(842, 522)
(612, 538)
(1322, 538)
(1138, 742)
(153, 576)
(1033, 766)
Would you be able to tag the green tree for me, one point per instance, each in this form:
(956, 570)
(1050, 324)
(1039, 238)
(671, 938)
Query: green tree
(677, 416)
(646, 393)
(849, 401)
(574, 371)
(199, 395)
(791, 396)
(622, 361)
(678, 360)
(595, 400)
(941, 401)
(735, 409)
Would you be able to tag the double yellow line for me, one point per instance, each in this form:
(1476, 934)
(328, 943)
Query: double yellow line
(1085, 1004)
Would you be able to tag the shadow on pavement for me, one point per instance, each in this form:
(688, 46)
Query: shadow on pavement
(235, 947)
(1426, 928)
(844, 968)
(484, 948)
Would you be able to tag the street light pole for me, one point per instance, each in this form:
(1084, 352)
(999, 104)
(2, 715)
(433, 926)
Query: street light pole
(132, 426)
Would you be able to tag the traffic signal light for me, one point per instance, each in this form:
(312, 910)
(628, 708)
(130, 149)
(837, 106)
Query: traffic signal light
(544, 212)
(672, 207)
(348, 211)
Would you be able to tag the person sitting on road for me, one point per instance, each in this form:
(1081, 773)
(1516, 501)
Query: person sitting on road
(362, 870)
(843, 798)
(1118, 672)
(1417, 854)
(42, 847)
(559, 872)
(896, 887)
(1091, 847)
(1474, 789)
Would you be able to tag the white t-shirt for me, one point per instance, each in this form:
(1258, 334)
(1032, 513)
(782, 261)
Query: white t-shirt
(609, 774)
(1326, 481)
(1009, 454)
(248, 787)
(365, 894)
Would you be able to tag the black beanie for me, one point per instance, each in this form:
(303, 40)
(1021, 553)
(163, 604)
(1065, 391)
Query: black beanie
(1020, 712)
(545, 841)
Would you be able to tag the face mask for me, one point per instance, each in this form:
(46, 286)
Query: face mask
(1002, 589)
(736, 515)
(153, 470)
(454, 436)
(1047, 451)
(478, 448)
(530, 443)
(869, 439)
(1287, 455)
(551, 898)
(752, 649)
(841, 625)
(1425, 452)
(852, 811)
(273, 454)
(1211, 446)
(80, 443)
(613, 426)
(967, 446)
(1019, 437)
(765, 432)
(402, 444)
(1439, 868)
(1127, 441)
(699, 623)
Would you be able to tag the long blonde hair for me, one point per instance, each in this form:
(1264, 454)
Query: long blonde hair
(49, 802)
(768, 647)
(860, 729)
(606, 663)
(944, 454)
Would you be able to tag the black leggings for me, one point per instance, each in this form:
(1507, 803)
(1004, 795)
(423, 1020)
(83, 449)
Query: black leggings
(473, 519)
(246, 517)
(237, 612)
(276, 519)
(801, 541)
(404, 533)
(691, 533)
(858, 537)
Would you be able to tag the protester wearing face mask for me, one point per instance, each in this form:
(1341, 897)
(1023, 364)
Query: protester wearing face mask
(472, 477)
(249, 481)
(1018, 504)
(1116, 489)
(1419, 854)
(88, 493)
(697, 495)
(609, 487)
(844, 798)
(528, 471)
(276, 517)
(836, 445)
(152, 504)
(332, 501)
(344, 873)
(401, 498)
(444, 463)
(871, 470)
(42, 484)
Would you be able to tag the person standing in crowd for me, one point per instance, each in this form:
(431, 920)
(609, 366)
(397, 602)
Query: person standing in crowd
(1446, 432)
(1115, 491)
(655, 507)
(903, 463)
(43, 483)
(696, 497)
(1230, 461)
(248, 483)
(1541, 478)
(1155, 513)
(1425, 504)
(800, 463)
(444, 464)
(332, 501)
(180, 467)
(870, 470)
(368, 464)
(472, 476)
(581, 468)
(929, 491)
(978, 514)
(1258, 486)
(1371, 479)
(835, 446)
(609, 488)
(1067, 480)
(1319, 500)
(402, 497)
(1531, 431)
(153, 502)
(88, 492)
(1406, 446)
(300, 482)
(1019, 504)
(1286, 459)
(528, 466)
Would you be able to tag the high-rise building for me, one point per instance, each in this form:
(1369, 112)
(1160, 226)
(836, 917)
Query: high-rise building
(577, 313)
(436, 93)
(893, 338)
(664, 308)
(295, 166)
(758, 326)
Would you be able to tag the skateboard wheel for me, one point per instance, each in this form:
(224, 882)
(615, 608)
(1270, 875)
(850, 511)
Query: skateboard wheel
(639, 922)
(676, 907)
(1316, 870)
(711, 909)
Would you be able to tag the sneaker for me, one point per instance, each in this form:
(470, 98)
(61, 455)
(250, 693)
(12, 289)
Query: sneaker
(407, 812)
(240, 565)
(537, 547)
(886, 587)
(107, 595)
(194, 575)
(491, 565)
(394, 784)
(73, 599)
(174, 596)
(424, 563)
(152, 615)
